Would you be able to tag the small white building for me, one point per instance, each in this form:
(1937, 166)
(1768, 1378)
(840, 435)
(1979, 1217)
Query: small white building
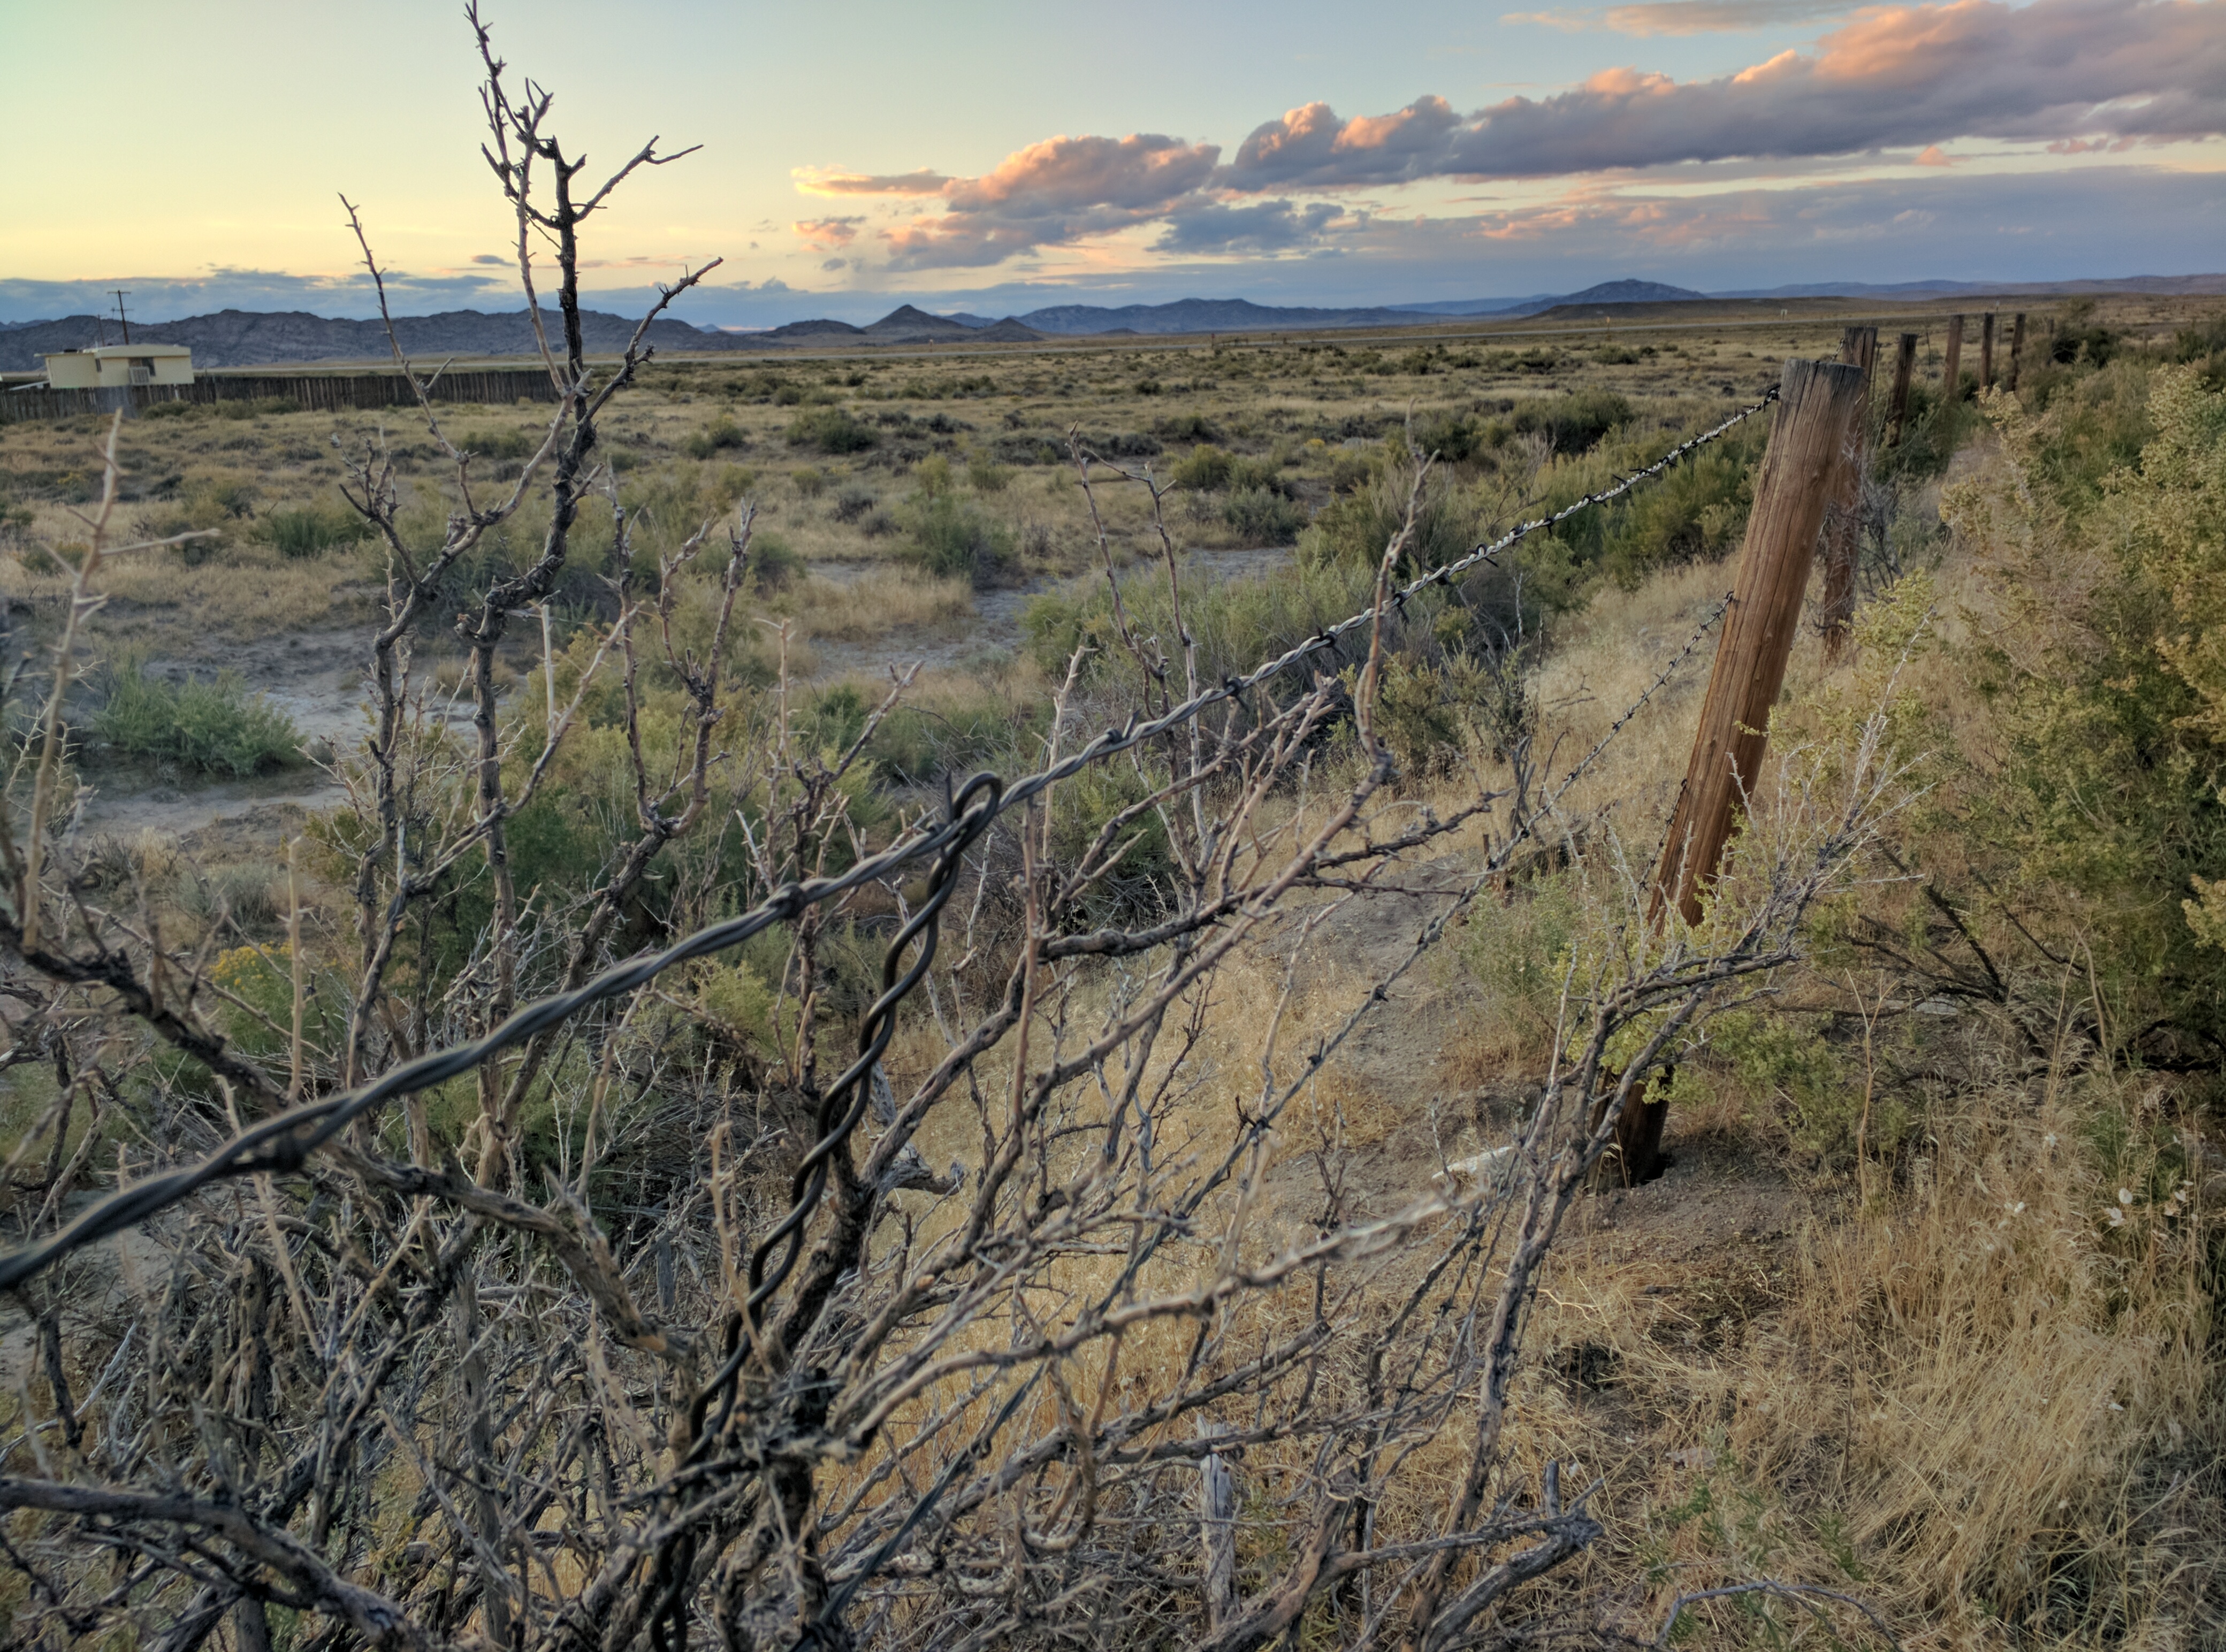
(111, 366)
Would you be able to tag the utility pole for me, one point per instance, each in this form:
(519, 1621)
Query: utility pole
(122, 319)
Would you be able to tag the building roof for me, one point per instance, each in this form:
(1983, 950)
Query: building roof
(103, 351)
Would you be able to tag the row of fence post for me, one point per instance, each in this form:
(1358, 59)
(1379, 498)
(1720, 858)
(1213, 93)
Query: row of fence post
(313, 392)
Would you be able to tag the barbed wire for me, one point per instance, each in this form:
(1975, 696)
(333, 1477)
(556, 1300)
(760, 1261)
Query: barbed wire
(284, 1142)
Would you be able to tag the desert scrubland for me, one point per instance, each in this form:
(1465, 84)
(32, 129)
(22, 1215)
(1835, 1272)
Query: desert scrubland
(1234, 1145)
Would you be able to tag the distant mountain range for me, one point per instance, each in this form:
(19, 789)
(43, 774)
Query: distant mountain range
(254, 339)
(248, 339)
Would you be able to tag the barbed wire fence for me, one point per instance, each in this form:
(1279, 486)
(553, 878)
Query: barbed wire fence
(285, 1141)
(799, 1389)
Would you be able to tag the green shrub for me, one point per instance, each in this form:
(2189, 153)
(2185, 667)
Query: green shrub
(1205, 467)
(985, 475)
(1262, 515)
(952, 538)
(1357, 528)
(776, 563)
(810, 483)
(931, 476)
(502, 444)
(832, 430)
(1575, 422)
(853, 502)
(214, 726)
(2079, 337)
(723, 434)
(1455, 438)
(2105, 812)
(302, 531)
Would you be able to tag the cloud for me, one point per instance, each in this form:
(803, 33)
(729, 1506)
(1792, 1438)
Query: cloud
(1207, 226)
(1688, 16)
(2078, 75)
(489, 257)
(1895, 77)
(1052, 193)
(817, 181)
(824, 234)
(2036, 226)
(1934, 156)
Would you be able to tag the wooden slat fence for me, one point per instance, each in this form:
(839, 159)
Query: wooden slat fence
(325, 392)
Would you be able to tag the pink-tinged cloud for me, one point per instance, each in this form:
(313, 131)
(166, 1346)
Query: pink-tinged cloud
(2075, 74)
(1052, 193)
(826, 234)
(1896, 77)
(1687, 16)
(817, 181)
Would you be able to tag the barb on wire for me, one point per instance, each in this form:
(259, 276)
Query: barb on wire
(284, 1142)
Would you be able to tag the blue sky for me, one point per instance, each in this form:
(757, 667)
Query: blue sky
(995, 157)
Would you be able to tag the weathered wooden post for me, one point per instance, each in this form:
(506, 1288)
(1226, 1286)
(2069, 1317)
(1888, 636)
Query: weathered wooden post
(2017, 348)
(1842, 540)
(1217, 1529)
(1905, 364)
(1951, 373)
(1812, 443)
(1986, 351)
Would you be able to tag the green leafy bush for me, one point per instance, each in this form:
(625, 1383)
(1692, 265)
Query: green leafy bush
(502, 444)
(212, 725)
(721, 435)
(1575, 422)
(1261, 516)
(301, 532)
(832, 430)
(2105, 816)
(1204, 468)
(952, 538)
(1355, 528)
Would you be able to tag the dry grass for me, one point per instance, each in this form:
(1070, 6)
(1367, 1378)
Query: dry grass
(879, 603)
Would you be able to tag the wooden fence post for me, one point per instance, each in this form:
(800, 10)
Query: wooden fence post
(1217, 1529)
(2017, 348)
(1812, 441)
(1905, 364)
(1986, 351)
(1842, 540)
(1951, 373)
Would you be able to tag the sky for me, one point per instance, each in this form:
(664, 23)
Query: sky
(995, 157)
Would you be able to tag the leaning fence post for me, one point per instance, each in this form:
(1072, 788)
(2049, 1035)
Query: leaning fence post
(1843, 521)
(1986, 351)
(1217, 1529)
(1951, 373)
(1812, 440)
(2017, 348)
(1905, 364)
